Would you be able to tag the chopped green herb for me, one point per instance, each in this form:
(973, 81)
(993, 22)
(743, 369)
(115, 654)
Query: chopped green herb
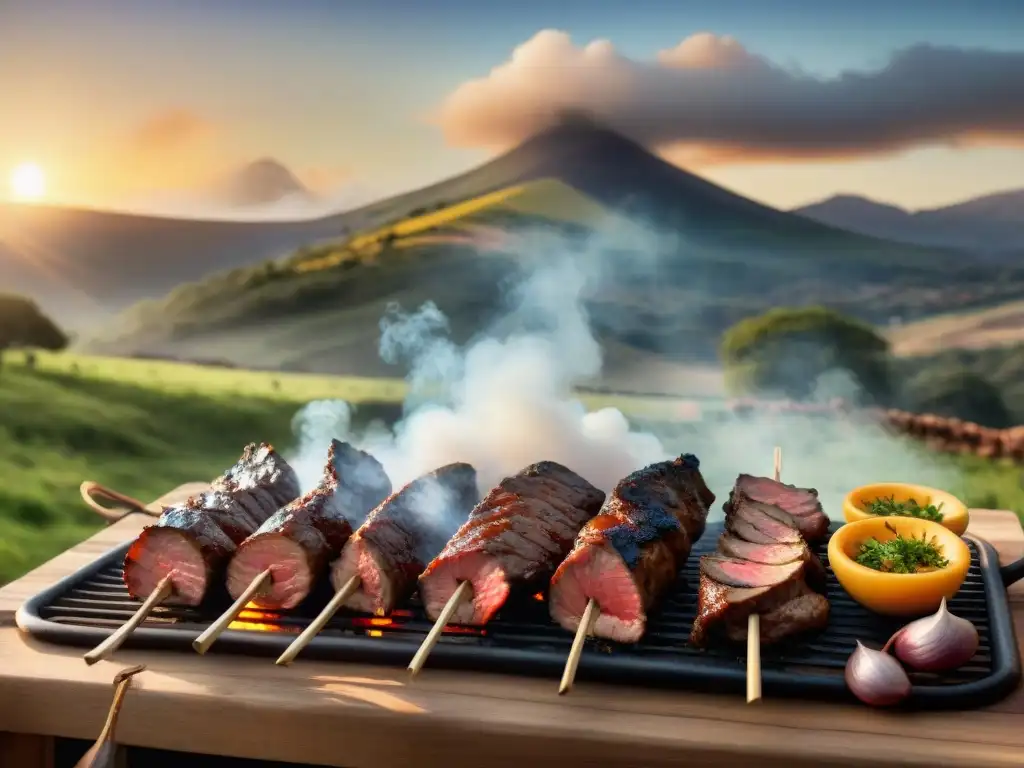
(889, 507)
(901, 554)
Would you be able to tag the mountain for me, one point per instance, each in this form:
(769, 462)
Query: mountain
(82, 265)
(991, 224)
(261, 182)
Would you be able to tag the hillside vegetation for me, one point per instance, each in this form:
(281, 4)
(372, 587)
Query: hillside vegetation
(999, 325)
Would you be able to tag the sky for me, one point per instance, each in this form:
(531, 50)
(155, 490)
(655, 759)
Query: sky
(122, 102)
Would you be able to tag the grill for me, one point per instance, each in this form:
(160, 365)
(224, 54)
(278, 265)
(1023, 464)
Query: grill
(85, 607)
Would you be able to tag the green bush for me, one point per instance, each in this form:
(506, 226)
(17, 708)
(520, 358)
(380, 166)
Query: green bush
(787, 351)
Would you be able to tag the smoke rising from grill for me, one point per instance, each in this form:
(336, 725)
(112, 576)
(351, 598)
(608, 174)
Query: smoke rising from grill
(504, 401)
(507, 399)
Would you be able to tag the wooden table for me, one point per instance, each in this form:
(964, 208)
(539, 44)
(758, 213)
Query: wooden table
(361, 716)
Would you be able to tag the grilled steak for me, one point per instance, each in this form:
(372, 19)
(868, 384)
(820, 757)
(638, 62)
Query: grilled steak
(764, 565)
(801, 503)
(514, 538)
(403, 534)
(298, 541)
(627, 556)
(193, 541)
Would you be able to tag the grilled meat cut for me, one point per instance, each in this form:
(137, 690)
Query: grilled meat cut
(400, 536)
(627, 557)
(514, 538)
(764, 565)
(192, 541)
(800, 503)
(299, 540)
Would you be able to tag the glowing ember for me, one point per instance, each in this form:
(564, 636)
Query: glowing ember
(374, 633)
(539, 596)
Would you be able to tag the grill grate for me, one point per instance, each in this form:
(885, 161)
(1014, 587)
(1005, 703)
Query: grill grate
(522, 639)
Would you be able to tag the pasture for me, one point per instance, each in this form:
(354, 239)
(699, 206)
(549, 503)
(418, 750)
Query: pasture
(144, 426)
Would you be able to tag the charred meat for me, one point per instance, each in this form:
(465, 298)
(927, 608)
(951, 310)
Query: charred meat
(298, 541)
(764, 565)
(514, 538)
(192, 542)
(404, 533)
(628, 556)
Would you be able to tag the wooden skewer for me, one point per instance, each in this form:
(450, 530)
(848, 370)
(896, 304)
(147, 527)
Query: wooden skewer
(587, 621)
(435, 632)
(347, 590)
(754, 621)
(202, 643)
(105, 752)
(116, 640)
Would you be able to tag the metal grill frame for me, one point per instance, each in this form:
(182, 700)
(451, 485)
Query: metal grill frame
(721, 670)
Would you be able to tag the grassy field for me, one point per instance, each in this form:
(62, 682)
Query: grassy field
(977, 329)
(144, 427)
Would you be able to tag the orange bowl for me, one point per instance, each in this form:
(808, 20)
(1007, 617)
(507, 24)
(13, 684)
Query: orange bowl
(954, 512)
(898, 594)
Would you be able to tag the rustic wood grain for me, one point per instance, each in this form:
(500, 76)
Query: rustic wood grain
(336, 714)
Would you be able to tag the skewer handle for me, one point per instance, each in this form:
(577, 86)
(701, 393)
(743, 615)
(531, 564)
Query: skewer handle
(754, 621)
(347, 590)
(753, 658)
(587, 621)
(112, 643)
(435, 632)
(202, 643)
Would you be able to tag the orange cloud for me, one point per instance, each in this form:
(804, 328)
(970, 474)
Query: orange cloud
(709, 100)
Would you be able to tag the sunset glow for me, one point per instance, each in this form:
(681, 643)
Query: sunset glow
(27, 182)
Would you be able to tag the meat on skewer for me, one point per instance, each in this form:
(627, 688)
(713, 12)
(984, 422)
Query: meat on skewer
(514, 538)
(627, 557)
(764, 566)
(404, 533)
(298, 541)
(800, 503)
(192, 542)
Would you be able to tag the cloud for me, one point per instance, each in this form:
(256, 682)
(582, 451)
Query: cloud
(171, 132)
(710, 100)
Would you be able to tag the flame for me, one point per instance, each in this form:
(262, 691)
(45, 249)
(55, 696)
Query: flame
(539, 597)
(374, 633)
(253, 619)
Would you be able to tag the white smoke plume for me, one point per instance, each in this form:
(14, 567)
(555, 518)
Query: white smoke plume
(507, 400)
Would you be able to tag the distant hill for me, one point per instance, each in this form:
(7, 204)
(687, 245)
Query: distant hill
(261, 182)
(720, 257)
(992, 224)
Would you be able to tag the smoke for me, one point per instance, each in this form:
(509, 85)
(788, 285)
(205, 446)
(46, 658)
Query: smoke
(507, 399)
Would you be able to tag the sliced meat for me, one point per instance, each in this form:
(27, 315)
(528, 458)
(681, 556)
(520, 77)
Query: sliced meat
(404, 533)
(733, 572)
(726, 608)
(808, 611)
(514, 539)
(764, 565)
(192, 542)
(776, 554)
(801, 503)
(299, 540)
(630, 554)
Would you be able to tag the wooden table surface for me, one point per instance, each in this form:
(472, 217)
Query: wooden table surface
(359, 716)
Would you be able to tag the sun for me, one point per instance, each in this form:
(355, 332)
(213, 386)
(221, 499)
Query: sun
(27, 182)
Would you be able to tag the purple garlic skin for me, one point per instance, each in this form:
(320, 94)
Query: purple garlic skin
(936, 643)
(876, 678)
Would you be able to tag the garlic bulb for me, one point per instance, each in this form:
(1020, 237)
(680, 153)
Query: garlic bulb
(936, 643)
(875, 677)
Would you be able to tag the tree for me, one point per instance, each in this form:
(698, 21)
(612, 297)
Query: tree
(959, 393)
(23, 324)
(800, 352)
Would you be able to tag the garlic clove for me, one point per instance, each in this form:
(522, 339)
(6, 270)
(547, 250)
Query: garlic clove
(875, 677)
(936, 643)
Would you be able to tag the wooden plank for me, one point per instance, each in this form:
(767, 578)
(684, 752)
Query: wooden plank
(338, 714)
